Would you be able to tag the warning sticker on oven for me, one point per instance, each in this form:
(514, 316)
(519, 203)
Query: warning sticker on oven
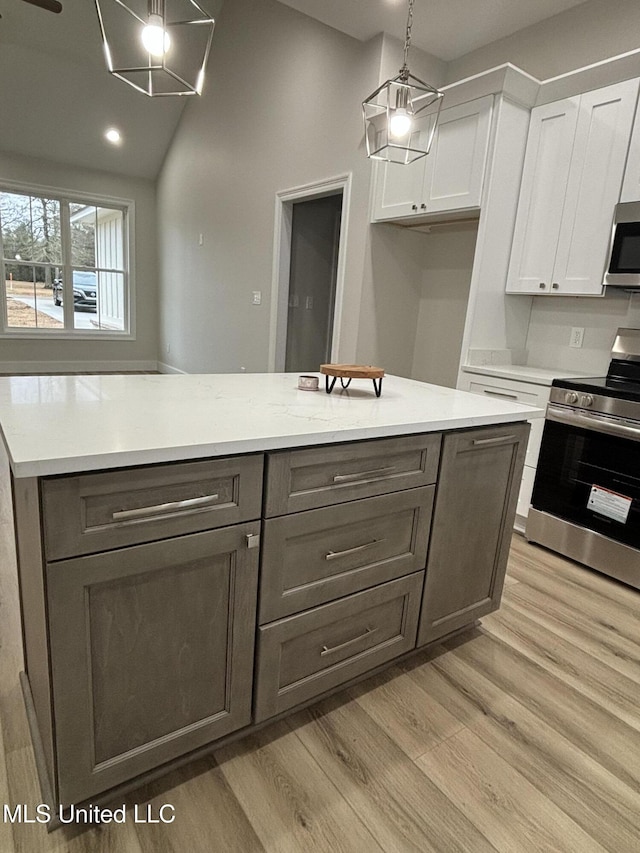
(608, 503)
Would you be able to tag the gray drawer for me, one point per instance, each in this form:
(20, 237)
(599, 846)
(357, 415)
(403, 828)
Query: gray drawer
(320, 476)
(303, 656)
(97, 512)
(317, 556)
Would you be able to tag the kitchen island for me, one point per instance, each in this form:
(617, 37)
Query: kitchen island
(199, 555)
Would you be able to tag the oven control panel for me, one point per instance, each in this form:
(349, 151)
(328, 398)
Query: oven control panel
(595, 402)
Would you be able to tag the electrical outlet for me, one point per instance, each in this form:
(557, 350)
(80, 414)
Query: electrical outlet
(577, 336)
(256, 297)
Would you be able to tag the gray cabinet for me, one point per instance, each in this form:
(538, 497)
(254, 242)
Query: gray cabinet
(480, 474)
(312, 557)
(140, 604)
(111, 509)
(305, 655)
(321, 476)
(345, 542)
(151, 654)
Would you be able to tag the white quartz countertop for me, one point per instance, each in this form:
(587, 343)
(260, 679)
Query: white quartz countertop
(522, 372)
(66, 424)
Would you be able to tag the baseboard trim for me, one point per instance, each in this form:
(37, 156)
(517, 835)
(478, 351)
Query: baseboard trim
(168, 368)
(28, 368)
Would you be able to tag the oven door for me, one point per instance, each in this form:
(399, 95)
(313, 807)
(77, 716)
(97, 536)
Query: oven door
(589, 473)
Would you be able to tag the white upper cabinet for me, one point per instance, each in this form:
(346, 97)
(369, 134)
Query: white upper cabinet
(449, 178)
(575, 159)
(631, 181)
(542, 193)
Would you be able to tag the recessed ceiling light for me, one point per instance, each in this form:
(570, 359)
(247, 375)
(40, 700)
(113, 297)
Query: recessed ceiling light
(114, 136)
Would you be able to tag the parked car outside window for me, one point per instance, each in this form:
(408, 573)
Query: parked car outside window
(85, 290)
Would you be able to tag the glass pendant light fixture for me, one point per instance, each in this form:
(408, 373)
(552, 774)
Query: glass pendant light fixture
(160, 47)
(400, 117)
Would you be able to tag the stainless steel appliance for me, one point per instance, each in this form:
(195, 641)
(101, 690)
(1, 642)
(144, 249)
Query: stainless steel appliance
(624, 253)
(586, 496)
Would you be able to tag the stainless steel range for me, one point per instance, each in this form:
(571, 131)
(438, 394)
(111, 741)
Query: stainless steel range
(586, 496)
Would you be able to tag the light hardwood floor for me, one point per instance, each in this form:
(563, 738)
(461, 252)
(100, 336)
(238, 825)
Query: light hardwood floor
(522, 735)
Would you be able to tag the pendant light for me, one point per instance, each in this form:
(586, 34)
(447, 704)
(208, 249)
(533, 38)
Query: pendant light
(400, 117)
(160, 47)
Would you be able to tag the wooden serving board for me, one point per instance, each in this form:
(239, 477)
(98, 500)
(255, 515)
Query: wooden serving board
(352, 371)
(347, 372)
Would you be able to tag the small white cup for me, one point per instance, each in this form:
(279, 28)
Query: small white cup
(308, 383)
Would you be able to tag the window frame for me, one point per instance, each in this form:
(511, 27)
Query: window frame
(66, 198)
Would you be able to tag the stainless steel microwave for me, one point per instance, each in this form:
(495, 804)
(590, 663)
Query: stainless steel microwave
(624, 256)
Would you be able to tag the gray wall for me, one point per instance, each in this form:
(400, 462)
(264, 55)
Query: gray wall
(590, 32)
(281, 108)
(444, 294)
(66, 354)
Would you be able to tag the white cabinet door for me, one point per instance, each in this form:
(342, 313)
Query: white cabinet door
(456, 164)
(542, 195)
(449, 178)
(572, 174)
(398, 189)
(598, 160)
(631, 180)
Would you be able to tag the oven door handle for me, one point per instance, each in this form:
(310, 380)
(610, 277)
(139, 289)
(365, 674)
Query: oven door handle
(589, 420)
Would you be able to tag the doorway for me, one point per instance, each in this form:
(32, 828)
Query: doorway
(315, 241)
(309, 260)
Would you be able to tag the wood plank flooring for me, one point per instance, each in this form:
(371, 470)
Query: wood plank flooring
(522, 735)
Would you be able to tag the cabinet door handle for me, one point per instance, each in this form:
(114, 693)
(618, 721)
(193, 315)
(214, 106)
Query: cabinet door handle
(329, 651)
(542, 285)
(333, 555)
(173, 506)
(501, 394)
(361, 475)
(414, 207)
(555, 285)
(500, 439)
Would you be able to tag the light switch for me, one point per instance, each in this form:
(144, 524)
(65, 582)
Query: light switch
(308, 303)
(256, 298)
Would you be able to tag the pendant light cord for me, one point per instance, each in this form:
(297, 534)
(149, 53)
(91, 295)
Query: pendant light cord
(404, 71)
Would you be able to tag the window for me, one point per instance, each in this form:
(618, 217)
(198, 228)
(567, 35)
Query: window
(64, 265)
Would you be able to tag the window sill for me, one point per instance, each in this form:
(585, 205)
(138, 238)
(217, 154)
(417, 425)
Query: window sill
(66, 335)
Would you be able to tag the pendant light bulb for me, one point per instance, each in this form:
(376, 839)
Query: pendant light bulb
(155, 38)
(400, 123)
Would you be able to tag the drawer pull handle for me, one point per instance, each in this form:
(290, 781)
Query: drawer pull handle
(329, 651)
(173, 506)
(361, 475)
(333, 555)
(501, 394)
(500, 439)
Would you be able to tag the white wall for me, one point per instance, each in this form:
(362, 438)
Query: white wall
(448, 261)
(281, 108)
(552, 319)
(65, 354)
(423, 65)
(587, 33)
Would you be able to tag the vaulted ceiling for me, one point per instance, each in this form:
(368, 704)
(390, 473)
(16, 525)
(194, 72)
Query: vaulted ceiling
(56, 98)
(445, 28)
